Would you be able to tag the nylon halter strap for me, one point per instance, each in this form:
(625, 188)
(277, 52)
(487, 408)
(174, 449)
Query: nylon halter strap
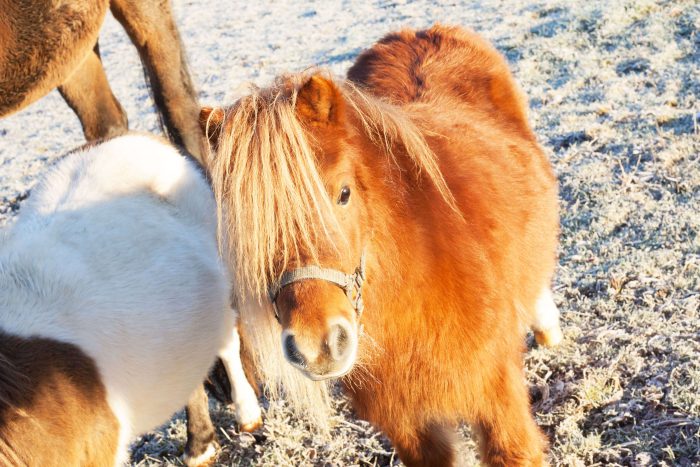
(350, 283)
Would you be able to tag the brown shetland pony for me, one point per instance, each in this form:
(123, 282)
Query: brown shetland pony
(421, 174)
(46, 44)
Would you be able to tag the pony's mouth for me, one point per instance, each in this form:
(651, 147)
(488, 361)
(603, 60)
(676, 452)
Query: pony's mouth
(347, 368)
(316, 377)
(333, 357)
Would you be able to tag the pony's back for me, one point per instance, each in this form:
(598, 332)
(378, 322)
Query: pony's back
(115, 252)
(450, 65)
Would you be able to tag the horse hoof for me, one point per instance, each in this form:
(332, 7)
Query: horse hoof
(250, 427)
(549, 337)
(201, 460)
(248, 414)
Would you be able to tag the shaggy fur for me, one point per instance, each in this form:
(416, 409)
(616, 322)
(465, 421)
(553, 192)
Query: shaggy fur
(50, 43)
(453, 279)
(37, 377)
(272, 163)
(113, 256)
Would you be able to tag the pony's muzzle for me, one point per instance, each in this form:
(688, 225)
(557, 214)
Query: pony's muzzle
(319, 359)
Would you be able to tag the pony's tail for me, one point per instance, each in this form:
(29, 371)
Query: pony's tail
(417, 66)
(310, 400)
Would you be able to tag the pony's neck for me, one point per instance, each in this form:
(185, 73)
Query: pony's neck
(398, 233)
(413, 229)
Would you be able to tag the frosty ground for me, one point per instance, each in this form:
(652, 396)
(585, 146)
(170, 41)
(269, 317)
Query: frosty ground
(614, 92)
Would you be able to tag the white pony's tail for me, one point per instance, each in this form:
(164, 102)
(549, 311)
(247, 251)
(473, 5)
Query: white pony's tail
(261, 333)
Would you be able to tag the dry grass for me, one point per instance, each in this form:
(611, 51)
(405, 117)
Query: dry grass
(615, 97)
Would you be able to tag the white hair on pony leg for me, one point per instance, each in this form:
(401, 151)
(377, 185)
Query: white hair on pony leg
(242, 394)
(546, 324)
(262, 334)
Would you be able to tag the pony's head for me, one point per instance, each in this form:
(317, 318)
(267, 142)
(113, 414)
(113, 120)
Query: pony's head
(291, 177)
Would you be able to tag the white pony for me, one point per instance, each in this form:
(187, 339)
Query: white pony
(113, 306)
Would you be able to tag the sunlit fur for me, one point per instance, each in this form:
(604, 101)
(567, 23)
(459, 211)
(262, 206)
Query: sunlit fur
(269, 192)
(456, 257)
(265, 161)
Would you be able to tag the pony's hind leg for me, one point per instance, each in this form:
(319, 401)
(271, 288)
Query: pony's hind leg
(88, 93)
(242, 394)
(546, 325)
(152, 29)
(201, 444)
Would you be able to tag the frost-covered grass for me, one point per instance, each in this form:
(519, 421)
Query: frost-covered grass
(614, 90)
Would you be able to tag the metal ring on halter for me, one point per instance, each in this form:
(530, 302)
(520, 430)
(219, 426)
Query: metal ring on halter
(350, 283)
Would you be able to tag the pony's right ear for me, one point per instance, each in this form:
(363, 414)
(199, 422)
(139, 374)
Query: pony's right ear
(211, 120)
(320, 102)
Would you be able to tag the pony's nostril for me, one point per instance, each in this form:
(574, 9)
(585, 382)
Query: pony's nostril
(338, 342)
(293, 355)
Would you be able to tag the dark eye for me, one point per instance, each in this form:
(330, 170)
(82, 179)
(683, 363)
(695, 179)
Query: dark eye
(344, 196)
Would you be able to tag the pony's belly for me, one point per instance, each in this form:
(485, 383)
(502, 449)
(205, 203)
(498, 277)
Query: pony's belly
(147, 392)
(29, 30)
(171, 337)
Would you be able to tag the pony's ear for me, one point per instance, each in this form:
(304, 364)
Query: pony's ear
(319, 101)
(211, 120)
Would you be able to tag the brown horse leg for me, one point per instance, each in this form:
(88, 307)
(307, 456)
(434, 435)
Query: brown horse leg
(201, 438)
(152, 29)
(509, 435)
(87, 92)
(429, 446)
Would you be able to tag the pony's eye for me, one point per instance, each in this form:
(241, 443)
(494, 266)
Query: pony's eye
(344, 196)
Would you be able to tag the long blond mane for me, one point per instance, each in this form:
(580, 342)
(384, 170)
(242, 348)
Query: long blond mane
(272, 204)
(270, 195)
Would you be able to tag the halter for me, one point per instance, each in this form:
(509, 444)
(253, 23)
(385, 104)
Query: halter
(350, 283)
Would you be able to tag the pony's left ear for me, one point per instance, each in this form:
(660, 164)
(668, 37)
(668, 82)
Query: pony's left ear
(210, 121)
(320, 102)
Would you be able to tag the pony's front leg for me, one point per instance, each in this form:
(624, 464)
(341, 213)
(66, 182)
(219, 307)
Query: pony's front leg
(243, 395)
(201, 444)
(509, 436)
(431, 445)
(421, 439)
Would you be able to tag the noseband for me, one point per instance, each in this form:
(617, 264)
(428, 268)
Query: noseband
(350, 283)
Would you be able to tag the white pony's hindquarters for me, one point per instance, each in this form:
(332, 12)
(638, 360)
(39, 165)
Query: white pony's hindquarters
(183, 314)
(546, 325)
(125, 236)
